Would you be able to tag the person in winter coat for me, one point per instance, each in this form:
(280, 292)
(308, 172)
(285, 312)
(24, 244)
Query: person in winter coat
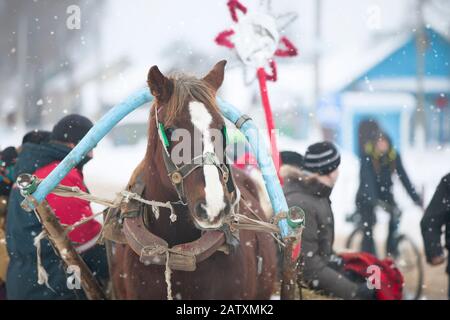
(368, 130)
(310, 187)
(23, 227)
(436, 216)
(378, 164)
(7, 161)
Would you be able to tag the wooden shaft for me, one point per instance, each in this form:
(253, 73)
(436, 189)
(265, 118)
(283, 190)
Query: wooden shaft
(67, 251)
(289, 272)
(109, 254)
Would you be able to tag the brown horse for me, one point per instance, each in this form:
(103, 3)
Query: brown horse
(248, 271)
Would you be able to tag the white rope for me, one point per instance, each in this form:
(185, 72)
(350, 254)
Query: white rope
(168, 276)
(123, 196)
(236, 220)
(41, 272)
(274, 223)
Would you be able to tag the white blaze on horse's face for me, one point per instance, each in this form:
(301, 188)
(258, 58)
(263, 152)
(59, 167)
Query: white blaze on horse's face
(215, 197)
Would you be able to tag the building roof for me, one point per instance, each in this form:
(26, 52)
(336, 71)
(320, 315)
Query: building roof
(396, 67)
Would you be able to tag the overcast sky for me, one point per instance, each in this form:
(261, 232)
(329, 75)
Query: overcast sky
(140, 29)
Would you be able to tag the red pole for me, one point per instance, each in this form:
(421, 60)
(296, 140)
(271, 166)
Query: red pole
(269, 119)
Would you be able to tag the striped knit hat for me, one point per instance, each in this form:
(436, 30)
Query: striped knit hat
(322, 158)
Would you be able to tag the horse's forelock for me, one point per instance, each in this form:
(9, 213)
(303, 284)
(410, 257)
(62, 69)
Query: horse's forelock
(187, 89)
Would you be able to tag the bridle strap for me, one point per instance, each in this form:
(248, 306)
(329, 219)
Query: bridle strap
(178, 174)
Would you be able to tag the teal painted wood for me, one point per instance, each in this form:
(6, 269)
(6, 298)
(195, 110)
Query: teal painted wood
(265, 162)
(92, 138)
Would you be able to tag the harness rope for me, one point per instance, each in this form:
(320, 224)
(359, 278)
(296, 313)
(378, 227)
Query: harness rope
(168, 277)
(41, 272)
(122, 197)
(236, 221)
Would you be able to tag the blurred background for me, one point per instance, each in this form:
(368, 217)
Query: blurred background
(387, 60)
(354, 56)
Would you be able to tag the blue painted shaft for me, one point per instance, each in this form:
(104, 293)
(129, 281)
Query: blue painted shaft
(265, 162)
(92, 138)
(116, 114)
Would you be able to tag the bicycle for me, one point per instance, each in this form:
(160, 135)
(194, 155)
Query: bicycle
(407, 258)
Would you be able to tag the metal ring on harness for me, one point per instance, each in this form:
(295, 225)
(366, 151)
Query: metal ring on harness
(176, 177)
(243, 119)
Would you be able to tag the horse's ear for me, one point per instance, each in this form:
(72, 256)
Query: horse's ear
(216, 75)
(160, 86)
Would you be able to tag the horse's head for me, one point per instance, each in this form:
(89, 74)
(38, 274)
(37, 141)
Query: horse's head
(188, 134)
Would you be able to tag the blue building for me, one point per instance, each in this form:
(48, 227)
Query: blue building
(386, 89)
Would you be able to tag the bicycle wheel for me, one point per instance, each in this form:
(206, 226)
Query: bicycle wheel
(354, 240)
(409, 261)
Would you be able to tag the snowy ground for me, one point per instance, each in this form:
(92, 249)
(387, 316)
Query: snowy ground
(111, 168)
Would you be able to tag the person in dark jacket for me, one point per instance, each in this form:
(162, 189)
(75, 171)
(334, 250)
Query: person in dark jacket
(23, 227)
(437, 215)
(310, 188)
(7, 161)
(368, 131)
(378, 164)
(9, 156)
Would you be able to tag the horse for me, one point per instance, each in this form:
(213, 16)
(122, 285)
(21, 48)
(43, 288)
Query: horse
(202, 198)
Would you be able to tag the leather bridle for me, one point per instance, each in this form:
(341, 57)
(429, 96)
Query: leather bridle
(177, 174)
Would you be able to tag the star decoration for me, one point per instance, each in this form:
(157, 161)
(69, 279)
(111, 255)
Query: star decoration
(256, 39)
(256, 36)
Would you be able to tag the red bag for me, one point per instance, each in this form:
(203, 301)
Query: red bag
(391, 279)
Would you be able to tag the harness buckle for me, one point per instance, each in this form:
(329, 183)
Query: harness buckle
(176, 177)
(225, 176)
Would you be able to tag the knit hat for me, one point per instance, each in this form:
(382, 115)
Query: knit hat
(8, 156)
(291, 158)
(71, 129)
(36, 137)
(322, 158)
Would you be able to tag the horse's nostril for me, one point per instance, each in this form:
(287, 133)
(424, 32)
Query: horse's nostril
(201, 211)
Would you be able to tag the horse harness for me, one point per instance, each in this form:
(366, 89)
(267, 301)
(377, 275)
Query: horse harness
(178, 174)
(129, 226)
(126, 225)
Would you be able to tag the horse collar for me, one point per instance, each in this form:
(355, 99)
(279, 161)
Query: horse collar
(152, 249)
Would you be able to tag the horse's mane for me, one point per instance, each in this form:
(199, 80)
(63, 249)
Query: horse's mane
(188, 88)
